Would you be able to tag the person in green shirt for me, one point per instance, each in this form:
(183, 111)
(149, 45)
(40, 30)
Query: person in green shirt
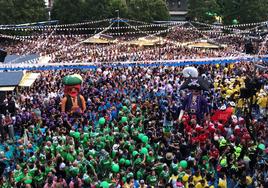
(165, 174)
(152, 179)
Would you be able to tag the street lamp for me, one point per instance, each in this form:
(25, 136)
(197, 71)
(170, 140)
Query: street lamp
(118, 12)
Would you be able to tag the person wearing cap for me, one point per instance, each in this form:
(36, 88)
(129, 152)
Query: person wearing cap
(142, 184)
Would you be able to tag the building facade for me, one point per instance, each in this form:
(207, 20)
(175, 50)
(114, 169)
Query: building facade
(177, 9)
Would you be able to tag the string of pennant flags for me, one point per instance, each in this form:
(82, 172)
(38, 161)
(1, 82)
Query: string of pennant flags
(62, 27)
(37, 25)
(94, 28)
(234, 29)
(146, 25)
(220, 34)
(231, 26)
(82, 35)
(30, 25)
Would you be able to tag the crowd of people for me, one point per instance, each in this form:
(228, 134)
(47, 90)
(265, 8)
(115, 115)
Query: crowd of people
(72, 49)
(133, 133)
(130, 134)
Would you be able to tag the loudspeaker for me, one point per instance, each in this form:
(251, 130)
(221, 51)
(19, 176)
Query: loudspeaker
(245, 93)
(249, 47)
(2, 96)
(252, 86)
(3, 55)
(2, 167)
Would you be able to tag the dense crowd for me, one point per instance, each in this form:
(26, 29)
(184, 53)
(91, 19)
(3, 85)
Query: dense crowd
(131, 135)
(72, 48)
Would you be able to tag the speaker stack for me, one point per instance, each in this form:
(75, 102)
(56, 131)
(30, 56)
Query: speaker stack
(3, 55)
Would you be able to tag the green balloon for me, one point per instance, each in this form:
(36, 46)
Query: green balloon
(125, 108)
(124, 119)
(140, 136)
(235, 21)
(223, 163)
(120, 113)
(122, 161)
(70, 157)
(104, 184)
(145, 139)
(116, 129)
(77, 135)
(144, 151)
(183, 164)
(238, 150)
(115, 167)
(148, 146)
(135, 153)
(261, 146)
(102, 121)
(127, 162)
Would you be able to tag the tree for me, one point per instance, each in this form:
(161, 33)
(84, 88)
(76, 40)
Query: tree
(246, 11)
(159, 10)
(68, 11)
(21, 11)
(148, 10)
(120, 5)
(96, 9)
(203, 10)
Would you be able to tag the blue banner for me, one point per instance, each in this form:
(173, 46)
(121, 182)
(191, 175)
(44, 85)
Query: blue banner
(134, 64)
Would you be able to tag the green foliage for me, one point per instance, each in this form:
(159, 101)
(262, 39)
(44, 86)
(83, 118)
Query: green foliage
(202, 10)
(120, 5)
(69, 11)
(246, 11)
(22, 11)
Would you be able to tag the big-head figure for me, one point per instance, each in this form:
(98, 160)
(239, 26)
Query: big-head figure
(72, 101)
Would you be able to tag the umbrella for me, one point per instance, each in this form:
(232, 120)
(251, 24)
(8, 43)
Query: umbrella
(195, 84)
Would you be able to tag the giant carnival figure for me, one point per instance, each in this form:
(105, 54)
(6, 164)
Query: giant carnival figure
(194, 104)
(72, 101)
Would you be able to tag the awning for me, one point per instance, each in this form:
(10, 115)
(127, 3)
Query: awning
(147, 41)
(28, 79)
(100, 39)
(204, 45)
(8, 79)
(31, 58)
(7, 88)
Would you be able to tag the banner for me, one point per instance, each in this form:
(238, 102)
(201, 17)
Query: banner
(95, 65)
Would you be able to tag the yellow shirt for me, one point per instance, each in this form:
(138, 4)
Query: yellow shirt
(263, 102)
(222, 183)
(196, 179)
(199, 185)
(240, 103)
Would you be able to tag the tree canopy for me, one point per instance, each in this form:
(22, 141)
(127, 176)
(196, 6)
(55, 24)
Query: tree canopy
(68, 11)
(231, 11)
(22, 11)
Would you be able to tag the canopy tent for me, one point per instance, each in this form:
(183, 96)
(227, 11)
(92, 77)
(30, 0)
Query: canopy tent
(10, 78)
(100, 39)
(28, 79)
(204, 44)
(147, 41)
(7, 88)
(31, 58)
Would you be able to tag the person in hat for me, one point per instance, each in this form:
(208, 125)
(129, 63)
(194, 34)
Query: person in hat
(195, 105)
